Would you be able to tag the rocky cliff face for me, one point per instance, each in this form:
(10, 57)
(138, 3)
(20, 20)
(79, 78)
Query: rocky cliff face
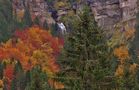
(37, 8)
(110, 12)
(107, 12)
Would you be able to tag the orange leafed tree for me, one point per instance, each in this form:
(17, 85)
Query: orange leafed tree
(32, 47)
(123, 56)
(122, 53)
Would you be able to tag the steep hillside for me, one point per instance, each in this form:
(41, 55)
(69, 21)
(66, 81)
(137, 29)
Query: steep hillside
(107, 12)
(69, 45)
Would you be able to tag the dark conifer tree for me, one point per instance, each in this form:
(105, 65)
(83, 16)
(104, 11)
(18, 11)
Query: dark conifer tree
(85, 55)
(36, 21)
(27, 18)
(45, 25)
(134, 50)
(6, 20)
(38, 80)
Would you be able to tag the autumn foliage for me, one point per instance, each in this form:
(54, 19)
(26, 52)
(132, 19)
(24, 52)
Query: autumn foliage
(31, 47)
(129, 33)
(122, 53)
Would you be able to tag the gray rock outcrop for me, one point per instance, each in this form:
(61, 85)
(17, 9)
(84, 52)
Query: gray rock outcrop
(109, 12)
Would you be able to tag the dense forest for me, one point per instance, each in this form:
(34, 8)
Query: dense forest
(62, 45)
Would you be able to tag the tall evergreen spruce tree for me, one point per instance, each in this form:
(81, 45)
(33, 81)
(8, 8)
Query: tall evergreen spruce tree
(135, 48)
(38, 80)
(6, 20)
(85, 55)
(27, 18)
(137, 33)
(135, 43)
(45, 25)
(36, 21)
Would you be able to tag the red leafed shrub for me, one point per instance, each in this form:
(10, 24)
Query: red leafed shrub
(9, 75)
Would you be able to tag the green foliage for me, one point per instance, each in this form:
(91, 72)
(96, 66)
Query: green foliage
(36, 21)
(54, 29)
(26, 21)
(85, 55)
(6, 20)
(38, 80)
(134, 53)
(49, 1)
(1, 70)
(27, 18)
(45, 25)
(20, 81)
(136, 39)
(31, 80)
